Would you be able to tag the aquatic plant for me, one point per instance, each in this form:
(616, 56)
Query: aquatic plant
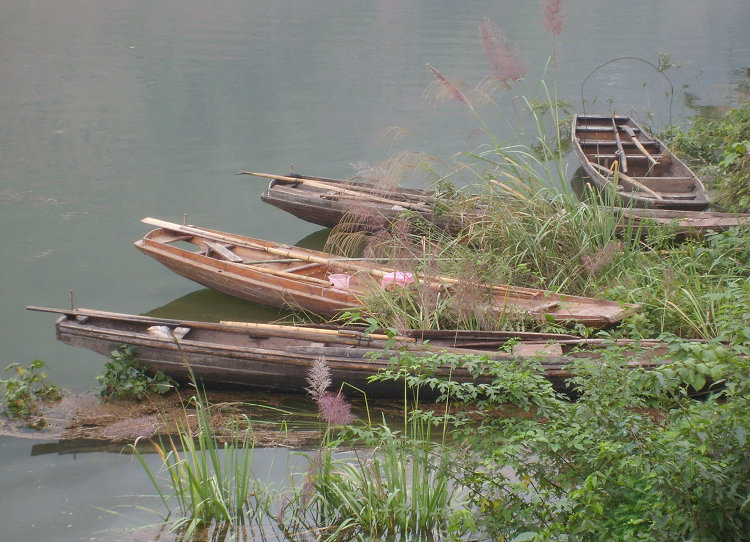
(370, 481)
(125, 376)
(20, 394)
(213, 485)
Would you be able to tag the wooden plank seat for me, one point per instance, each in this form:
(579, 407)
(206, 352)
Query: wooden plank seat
(223, 252)
(613, 143)
(628, 157)
(600, 128)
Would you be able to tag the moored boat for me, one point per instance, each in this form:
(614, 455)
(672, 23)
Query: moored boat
(283, 276)
(367, 206)
(277, 357)
(617, 153)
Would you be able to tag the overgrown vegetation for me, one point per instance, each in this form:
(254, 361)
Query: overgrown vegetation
(637, 454)
(125, 376)
(20, 394)
(720, 151)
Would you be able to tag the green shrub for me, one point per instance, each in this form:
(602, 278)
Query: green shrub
(126, 377)
(719, 149)
(21, 393)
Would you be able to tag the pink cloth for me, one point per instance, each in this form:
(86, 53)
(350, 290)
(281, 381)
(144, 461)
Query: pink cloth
(396, 278)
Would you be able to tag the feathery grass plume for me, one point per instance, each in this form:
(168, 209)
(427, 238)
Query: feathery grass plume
(318, 378)
(332, 407)
(450, 87)
(505, 62)
(393, 134)
(383, 180)
(335, 410)
(601, 257)
(554, 18)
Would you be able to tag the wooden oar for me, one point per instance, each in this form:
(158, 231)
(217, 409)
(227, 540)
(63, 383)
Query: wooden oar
(631, 134)
(629, 179)
(359, 194)
(620, 150)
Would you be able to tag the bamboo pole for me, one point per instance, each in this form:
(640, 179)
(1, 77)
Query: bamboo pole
(322, 332)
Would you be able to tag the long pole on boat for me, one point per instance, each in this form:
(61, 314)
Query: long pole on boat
(337, 188)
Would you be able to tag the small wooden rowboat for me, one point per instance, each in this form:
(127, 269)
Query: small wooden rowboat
(278, 357)
(615, 151)
(327, 202)
(284, 276)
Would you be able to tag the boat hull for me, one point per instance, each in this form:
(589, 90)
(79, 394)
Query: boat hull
(228, 356)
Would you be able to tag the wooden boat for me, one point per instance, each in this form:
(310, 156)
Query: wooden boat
(615, 151)
(687, 223)
(327, 202)
(284, 276)
(278, 357)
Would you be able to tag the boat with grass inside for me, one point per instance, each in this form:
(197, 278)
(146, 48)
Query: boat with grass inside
(328, 202)
(279, 275)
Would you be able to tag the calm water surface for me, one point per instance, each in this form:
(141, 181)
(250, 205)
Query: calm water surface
(112, 111)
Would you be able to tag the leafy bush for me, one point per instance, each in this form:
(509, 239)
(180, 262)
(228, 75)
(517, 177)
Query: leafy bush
(21, 393)
(634, 457)
(719, 148)
(127, 377)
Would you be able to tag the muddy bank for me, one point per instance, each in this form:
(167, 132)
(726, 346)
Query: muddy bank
(83, 422)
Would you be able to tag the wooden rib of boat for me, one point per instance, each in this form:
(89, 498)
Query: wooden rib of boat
(687, 222)
(327, 202)
(284, 276)
(615, 151)
(277, 357)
